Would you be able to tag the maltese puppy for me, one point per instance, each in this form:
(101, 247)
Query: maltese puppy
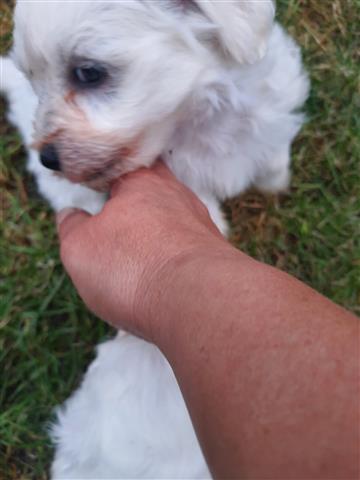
(98, 89)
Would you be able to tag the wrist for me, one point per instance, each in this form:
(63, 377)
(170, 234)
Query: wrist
(183, 285)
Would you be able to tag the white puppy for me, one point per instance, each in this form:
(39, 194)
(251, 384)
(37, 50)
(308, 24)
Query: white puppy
(102, 88)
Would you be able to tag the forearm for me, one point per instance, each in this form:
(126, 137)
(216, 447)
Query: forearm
(267, 367)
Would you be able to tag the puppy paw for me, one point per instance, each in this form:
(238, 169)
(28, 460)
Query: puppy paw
(274, 181)
(216, 214)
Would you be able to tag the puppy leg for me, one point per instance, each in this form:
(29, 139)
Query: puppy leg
(288, 89)
(126, 420)
(21, 97)
(61, 193)
(215, 212)
(277, 177)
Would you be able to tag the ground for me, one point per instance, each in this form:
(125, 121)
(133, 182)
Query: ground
(46, 334)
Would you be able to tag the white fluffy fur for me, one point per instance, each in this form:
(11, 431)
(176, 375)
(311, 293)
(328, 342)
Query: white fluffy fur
(212, 87)
(127, 420)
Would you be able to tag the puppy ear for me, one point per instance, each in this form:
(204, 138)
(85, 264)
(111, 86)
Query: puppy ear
(243, 26)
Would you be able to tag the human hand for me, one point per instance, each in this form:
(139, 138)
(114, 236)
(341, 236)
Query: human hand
(121, 261)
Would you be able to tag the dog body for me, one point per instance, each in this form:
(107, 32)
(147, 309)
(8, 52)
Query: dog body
(127, 420)
(107, 87)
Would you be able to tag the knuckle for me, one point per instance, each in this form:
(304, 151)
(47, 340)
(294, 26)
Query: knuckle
(68, 250)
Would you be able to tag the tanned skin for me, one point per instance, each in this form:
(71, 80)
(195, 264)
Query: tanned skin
(268, 367)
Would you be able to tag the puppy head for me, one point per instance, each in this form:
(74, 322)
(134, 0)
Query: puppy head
(112, 78)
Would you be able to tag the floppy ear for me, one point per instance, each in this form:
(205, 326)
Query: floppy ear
(243, 26)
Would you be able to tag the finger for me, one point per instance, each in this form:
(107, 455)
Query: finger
(68, 219)
(162, 170)
(159, 168)
(115, 187)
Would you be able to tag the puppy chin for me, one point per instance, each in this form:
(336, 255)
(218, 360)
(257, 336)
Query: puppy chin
(99, 179)
(99, 183)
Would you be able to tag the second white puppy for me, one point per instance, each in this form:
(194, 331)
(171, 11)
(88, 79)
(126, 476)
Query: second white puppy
(211, 86)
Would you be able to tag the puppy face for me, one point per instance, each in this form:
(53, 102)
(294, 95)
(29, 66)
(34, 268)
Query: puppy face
(112, 78)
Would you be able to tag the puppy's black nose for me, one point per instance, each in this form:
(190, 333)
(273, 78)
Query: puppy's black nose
(49, 157)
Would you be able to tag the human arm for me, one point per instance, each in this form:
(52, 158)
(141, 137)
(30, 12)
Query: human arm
(266, 365)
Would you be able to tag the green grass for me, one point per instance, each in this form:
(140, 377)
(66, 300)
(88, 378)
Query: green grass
(47, 336)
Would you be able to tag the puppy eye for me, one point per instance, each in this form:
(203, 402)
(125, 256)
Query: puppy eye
(89, 75)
